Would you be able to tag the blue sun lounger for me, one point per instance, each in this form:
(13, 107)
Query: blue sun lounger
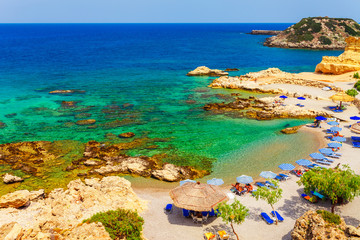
(284, 176)
(355, 139)
(270, 184)
(277, 215)
(323, 162)
(266, 218)
(333, 155)
(319, 195)
(279, 178)
(260, 184)
(356, 144)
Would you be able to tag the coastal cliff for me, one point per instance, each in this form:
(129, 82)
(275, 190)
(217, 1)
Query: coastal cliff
(347, 62)
(316, 33)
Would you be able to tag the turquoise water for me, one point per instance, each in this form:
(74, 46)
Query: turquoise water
(135, 74)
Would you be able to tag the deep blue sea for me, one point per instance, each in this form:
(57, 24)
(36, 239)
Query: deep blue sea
(135, 74)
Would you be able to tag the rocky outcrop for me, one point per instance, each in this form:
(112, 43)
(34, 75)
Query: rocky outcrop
(127, 135)
(15, 200)
(265, 32)
(261, 109)
(170, 173)
(291, 130)
(86, 122)
(312, 226)
(8, 178)
(348, 61)
(316, 33)
(231, 70)
(268, 76)
(205, 71)
(60, 215)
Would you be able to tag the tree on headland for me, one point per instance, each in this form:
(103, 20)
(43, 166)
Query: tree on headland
(270, 195)
(233, 213)
(338, 184)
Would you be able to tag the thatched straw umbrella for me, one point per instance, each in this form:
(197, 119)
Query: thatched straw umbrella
(197, 196)
(355, 127)
(342, 97)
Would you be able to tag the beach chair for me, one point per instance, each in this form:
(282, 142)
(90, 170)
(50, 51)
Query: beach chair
(333, 155)
(186, 212)
(323, 162)
(308, 198)
(356, 144)
(332, 108)
(168, 208)
(277, 215)
(212, 213)
(319, 195)
(223, 235)
(284, 176)
(297, 173)
(266, 218)
(260, 184)
(270, 184)
(338, 110)
(279, 178)
(355, 139)
(209, 235)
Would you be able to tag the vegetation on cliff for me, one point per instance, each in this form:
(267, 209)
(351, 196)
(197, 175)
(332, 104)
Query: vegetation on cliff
(120, 224)
(316, 33)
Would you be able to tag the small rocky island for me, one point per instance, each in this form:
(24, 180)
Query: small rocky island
(316, 33)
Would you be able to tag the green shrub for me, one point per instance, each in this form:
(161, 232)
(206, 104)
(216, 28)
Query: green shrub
(329, 217)
(324, 40)
(351, 31)
(308, 37)
(120, 223)
(356, 75)
(357, 26)
(352, 92)
(357, 84)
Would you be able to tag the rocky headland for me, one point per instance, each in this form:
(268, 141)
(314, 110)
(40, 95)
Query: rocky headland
(261, 109)
(205, 71)
(316, 33)
(60, 214)
(265, 32)
(313, 226)
(265, 77)
(348, 61)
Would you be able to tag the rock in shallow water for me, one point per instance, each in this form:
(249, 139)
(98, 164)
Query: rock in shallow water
(127, 135)
(85, 122)
(8, 178)
(205, 71)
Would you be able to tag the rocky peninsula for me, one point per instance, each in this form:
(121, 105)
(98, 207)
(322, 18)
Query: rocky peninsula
(316, 33)
(265, 32)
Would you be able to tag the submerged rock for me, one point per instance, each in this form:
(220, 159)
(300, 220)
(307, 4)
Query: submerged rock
(291, 130)
(85, 122)
(8, 178)
(68, 104)
(10, 115)
(231, 69)
(67, 91)
(127, 135)
(2, 125)
(205, 71)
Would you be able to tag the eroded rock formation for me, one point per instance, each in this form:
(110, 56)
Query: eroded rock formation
(205, 71)
(347, 62)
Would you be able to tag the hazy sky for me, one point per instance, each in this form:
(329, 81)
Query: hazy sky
(172, 11)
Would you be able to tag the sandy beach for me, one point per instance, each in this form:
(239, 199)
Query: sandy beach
(159, 225)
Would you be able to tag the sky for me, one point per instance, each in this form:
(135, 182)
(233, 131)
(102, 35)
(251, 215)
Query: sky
(173, 11)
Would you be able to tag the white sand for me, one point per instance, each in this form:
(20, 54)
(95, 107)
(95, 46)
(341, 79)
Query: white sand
(159, 225)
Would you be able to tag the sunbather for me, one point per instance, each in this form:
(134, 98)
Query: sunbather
(249, 187)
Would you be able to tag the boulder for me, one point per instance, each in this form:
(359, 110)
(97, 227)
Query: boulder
(85, 122)
(205, 71)
(37, 195)
(127, 135)
(169, 173)
(93, 162)
(15, 200)
(291, 130)
(8, 178)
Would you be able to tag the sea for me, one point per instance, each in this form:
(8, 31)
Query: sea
(141, 69)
